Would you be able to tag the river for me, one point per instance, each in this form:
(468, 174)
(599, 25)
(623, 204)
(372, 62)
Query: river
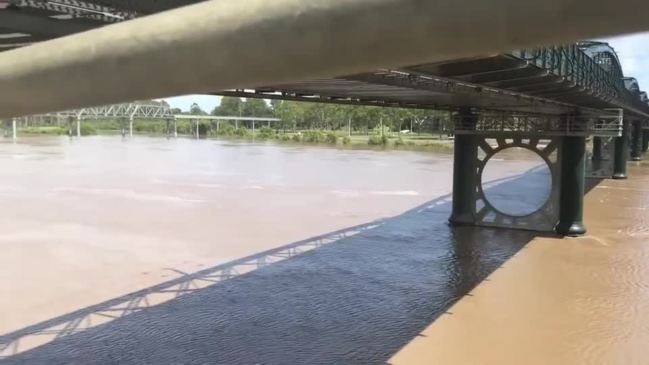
(150, 250)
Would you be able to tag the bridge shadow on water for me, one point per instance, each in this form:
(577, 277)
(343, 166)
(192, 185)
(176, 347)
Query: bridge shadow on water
(354, 296)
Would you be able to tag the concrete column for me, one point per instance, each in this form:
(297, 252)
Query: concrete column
(636, 142)
(175, 128)
(14, 132)
(197, 136)
(130, 127)
(168, 129)
(78, 126)
(645, 140)
(464, 173)
(218, 126)
(598, 149)
(253, 129)
(621, 154)
(571, 191)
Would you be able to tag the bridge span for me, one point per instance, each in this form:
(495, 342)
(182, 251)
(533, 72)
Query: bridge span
(548, 100)
(127, 113)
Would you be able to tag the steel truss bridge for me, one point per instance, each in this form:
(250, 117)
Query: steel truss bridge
(561, 95)
(126, 113)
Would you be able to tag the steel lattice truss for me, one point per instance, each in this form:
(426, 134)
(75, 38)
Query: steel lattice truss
(143, 110)
(77, 9)
(609, 124)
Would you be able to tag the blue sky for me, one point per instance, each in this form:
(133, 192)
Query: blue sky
(633, 51)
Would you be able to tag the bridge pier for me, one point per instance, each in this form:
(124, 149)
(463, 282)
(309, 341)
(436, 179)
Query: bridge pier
(621, 153)
(78, 127)
(14, 134)
(636, 144)
(175, 128)
(645, 140)
(571, 190)
(130, 127)
(123, 125)
(598, 149)
(464, 173)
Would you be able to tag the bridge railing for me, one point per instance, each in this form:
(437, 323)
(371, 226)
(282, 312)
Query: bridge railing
(572, 64)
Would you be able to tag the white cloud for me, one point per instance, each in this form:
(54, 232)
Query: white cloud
(633, 51)
(206, 102)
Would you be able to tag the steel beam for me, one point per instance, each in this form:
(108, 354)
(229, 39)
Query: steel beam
(298, 40)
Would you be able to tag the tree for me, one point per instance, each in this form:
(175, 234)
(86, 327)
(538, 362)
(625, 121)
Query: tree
(291, 113)
(229, 107)
(256, 108)
(275, 104)
(195, 109)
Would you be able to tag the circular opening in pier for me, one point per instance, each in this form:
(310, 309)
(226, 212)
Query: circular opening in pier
(517, 182)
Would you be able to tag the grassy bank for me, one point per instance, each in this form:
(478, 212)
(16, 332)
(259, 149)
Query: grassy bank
(427, 142)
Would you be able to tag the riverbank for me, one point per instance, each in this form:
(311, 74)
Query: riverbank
(413, 142)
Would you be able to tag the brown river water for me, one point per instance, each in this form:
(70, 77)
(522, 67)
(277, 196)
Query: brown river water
(156, 251)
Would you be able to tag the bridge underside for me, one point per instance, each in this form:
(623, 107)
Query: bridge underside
(407, 90)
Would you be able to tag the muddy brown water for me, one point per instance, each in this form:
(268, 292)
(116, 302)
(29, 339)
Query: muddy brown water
(209, 252)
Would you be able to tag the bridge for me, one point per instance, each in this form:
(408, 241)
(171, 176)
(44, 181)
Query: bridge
(548, 100)
(126, 113)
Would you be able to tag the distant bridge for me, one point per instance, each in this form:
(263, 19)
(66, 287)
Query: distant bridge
(128, 112)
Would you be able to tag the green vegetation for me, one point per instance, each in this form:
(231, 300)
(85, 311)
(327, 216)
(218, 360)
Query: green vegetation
(377, 140)
(299, 122)
(50, 130)
(87, 129)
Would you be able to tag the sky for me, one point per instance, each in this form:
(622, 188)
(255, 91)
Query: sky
(633, 51)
